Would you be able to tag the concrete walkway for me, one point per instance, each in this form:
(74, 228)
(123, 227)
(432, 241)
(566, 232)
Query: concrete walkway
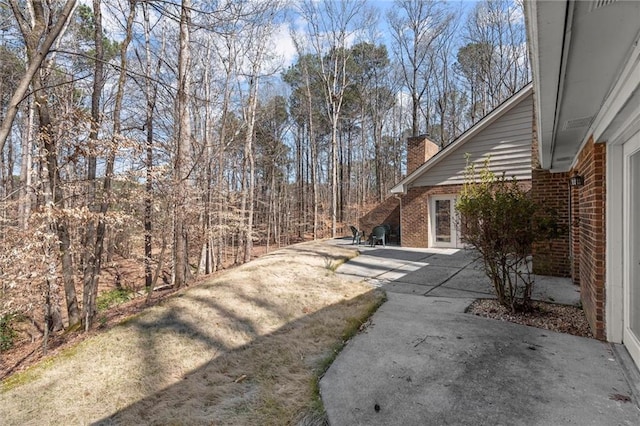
(423, 361)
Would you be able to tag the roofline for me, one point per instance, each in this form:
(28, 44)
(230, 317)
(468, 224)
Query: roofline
(402, 186)
(550, 27)
(531, 25)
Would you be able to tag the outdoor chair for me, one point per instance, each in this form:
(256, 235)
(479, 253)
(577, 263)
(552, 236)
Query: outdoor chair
(387, 231)
(378, 234)
(357, 235)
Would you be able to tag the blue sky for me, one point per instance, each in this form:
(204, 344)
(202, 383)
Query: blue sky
(287, 51)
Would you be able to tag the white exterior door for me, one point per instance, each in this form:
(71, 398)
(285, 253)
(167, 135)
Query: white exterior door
(631, 262)
(443, 230)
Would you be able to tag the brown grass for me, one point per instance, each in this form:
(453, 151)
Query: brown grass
(244, 348)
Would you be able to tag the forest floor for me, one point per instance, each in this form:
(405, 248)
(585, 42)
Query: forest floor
(245, 346)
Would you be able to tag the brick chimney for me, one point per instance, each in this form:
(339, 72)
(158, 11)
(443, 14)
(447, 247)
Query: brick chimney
(419, 150)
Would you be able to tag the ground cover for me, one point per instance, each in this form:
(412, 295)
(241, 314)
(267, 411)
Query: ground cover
(550, 316)
(245, 347)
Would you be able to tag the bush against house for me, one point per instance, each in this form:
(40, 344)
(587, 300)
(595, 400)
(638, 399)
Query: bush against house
(500, 219)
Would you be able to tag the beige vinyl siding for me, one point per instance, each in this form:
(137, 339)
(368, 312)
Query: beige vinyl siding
(507, 141)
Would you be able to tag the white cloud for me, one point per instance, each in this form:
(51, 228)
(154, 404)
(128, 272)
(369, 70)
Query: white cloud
(282, 44)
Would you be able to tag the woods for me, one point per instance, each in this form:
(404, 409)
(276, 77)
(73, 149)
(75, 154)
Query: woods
(145, 142)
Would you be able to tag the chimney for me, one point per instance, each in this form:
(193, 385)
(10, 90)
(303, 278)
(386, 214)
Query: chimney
(419, 150)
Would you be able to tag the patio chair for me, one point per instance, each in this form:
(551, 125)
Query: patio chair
(378, 234)
(387, 231)
(357, 235)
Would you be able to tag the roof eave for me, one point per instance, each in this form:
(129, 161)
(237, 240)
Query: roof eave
(546, 37)
(402, 186)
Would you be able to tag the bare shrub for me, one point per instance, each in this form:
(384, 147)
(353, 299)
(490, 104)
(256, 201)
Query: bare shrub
(500, 220)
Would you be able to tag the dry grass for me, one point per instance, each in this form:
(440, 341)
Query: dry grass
(245, 348)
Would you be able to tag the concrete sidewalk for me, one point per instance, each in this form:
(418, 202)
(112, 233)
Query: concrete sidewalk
(423, 361)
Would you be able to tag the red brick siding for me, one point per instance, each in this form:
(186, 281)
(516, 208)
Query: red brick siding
(414, 221)
(574, 242)
(589, 237)
(419, 150)
(414, 211)
(551, 191)
(387, 212)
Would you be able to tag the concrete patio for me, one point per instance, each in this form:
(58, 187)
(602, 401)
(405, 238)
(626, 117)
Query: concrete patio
(424, 361)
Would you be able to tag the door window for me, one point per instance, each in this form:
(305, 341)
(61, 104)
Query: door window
(443, 221)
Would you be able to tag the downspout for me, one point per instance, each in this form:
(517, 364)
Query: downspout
(570, 229)
(401, 228)
(566, 43)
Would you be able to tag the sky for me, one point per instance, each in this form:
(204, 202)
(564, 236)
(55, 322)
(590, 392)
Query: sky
(286, 48)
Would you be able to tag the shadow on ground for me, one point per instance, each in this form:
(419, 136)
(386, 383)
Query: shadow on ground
(245, 385)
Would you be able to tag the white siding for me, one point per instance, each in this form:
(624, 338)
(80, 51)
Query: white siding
(507, 141)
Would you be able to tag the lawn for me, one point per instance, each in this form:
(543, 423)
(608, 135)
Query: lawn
(246, 347)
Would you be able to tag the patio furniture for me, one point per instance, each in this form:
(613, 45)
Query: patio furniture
(378, 234)
(357, 235)
(387, 231)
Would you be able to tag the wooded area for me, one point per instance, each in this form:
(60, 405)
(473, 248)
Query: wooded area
(173, 138)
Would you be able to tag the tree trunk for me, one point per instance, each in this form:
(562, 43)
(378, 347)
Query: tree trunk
(95, 240)
(26, 170)
(181, 170)
(38, 52)
(207, 259)
(248, 174)
(50, 153)
(150, 93)
(90, 234)
(33, 31)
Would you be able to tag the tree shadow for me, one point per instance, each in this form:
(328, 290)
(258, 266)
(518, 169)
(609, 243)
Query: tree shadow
(235, 380)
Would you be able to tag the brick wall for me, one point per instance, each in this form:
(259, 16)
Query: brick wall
(419, 150)
(387, 212)
(414, 223)
(588, 236)
(414, 208)
(551, 191)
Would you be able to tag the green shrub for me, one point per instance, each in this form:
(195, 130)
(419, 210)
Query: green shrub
(500, 220)
(7, 332)
(113, 297)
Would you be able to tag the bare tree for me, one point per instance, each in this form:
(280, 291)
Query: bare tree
(307, 132)
(494, 61)
(447, 96)
(96, 233)
(39, 38)
(416, 26)
(33, 24)
(181, 167)
(256, 44)
(26, 168)
(331, 26)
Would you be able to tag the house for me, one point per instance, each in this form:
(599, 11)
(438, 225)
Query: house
(585, 58)
(435, 178)
(385, 213)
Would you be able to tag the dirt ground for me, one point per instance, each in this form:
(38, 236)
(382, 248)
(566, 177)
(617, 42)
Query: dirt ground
(244, 347)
